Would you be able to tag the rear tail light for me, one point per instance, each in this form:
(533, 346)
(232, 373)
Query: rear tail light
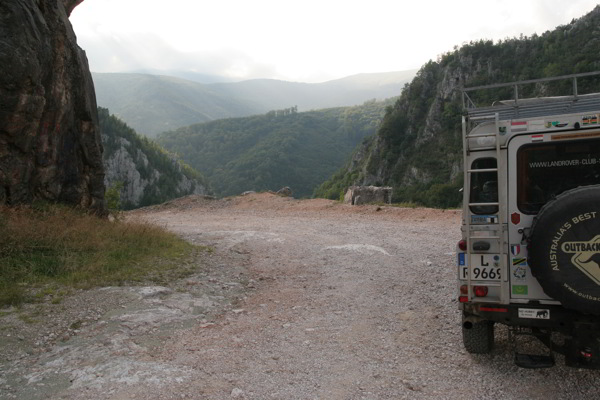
(480, 291)
(462, 245)
(586, 353)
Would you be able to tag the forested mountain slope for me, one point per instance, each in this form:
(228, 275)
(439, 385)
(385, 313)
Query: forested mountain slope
(140, 170)
(277, 149)
(418, 147)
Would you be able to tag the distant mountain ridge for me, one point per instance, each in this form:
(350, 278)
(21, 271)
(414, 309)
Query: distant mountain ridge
(156, 103)
(187, 75)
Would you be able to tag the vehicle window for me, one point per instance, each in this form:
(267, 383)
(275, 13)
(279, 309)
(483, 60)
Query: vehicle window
(545, 170)
(484, 186)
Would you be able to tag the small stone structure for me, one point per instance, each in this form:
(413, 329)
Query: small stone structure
(357, 195)
(285, 192)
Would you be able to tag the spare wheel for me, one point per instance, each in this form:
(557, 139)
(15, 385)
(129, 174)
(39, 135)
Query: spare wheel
(564, 249)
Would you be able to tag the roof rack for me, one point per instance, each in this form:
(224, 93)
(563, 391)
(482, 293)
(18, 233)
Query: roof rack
(533, 107)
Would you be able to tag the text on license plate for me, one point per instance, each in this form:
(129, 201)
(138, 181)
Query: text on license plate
(485, 267)
(481, 273)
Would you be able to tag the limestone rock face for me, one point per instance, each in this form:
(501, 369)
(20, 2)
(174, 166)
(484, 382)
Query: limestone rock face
(121, 167)
(50, 147)
(141, 178)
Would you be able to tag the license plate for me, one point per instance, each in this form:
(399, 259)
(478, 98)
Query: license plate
(485, 267)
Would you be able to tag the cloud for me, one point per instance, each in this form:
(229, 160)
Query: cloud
(309, 41)
(138, 51)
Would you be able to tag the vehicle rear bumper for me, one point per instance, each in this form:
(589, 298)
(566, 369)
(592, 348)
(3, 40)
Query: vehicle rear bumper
(581, 347)
(543, 316)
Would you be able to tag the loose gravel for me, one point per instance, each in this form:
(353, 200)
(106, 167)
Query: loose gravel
(301, 299)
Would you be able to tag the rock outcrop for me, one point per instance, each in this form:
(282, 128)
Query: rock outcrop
(141, 179)
(50, 147)
(146, 173)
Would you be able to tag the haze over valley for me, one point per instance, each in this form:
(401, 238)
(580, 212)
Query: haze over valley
(156, 103)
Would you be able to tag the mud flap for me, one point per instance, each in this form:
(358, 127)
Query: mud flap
(533, 360)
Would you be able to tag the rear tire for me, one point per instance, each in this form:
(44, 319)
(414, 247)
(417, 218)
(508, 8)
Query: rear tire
(478, 337)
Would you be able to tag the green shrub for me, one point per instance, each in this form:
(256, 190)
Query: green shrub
(112, 196)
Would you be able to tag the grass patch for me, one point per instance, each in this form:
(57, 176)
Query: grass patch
(57, 245)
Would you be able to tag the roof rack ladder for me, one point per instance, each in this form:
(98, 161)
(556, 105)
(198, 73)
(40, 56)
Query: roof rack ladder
(533, 107)
(500, 236)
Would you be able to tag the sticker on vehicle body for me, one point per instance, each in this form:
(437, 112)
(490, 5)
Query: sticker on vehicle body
(556, 124)
(520, 290)
(515, 218)
(520, 273)
(518, 126)
(483, 219)
(586, 255)
(515, 249)
(534, 313)
(537, 124)
(577, 135)
(519, 261)
(590, 119)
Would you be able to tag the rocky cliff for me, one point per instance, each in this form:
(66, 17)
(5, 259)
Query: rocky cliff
(50, 147)
(146, 173)
(418, 148)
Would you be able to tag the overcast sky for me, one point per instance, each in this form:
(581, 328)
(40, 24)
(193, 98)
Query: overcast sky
(306, 41)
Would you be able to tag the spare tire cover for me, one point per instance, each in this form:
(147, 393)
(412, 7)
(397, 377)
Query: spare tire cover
(564, 249)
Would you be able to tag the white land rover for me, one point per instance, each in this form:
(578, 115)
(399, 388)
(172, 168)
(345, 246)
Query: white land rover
(529, 256)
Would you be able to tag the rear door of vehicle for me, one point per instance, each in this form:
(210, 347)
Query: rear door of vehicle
(541, 166)
(523, 286)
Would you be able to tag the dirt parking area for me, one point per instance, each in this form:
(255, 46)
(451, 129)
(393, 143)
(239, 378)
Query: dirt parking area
(299, 299)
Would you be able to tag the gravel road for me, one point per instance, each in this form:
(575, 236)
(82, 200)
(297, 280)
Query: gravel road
(306, 299)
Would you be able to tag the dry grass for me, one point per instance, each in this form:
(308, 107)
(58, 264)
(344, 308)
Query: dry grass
(56, 244)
